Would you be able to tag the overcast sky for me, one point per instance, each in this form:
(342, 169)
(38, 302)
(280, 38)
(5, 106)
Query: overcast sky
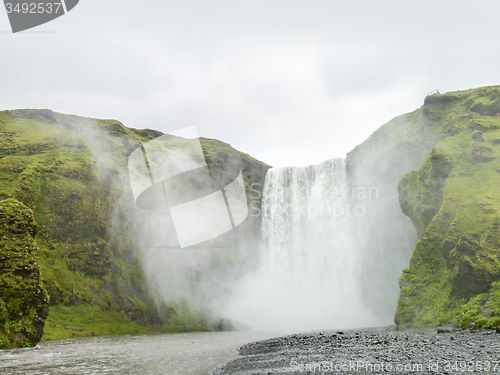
(288, 82)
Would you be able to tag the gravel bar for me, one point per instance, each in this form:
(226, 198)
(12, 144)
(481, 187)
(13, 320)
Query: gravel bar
(445, 350)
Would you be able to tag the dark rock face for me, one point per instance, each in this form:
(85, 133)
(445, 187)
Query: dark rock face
(420, 196)
(473, 269)
(23, 301)
(441, 163)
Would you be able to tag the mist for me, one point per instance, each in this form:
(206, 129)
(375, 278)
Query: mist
(310, 274)
(330, 245)
(188, 216)
(324, 251)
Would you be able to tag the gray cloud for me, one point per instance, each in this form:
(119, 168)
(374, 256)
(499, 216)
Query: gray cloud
(289, 82)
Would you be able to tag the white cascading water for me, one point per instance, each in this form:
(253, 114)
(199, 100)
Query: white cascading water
(309, 273)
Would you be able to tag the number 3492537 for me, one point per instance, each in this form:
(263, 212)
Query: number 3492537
(33, 8)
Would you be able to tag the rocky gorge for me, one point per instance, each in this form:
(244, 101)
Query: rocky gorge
(72, 243)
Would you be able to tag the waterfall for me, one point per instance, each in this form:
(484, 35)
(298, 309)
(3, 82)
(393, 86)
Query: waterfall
(309, 275)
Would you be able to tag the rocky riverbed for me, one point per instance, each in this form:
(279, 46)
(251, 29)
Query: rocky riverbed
(428, 351)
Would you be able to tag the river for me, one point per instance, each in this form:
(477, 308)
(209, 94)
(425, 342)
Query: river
(170, 354)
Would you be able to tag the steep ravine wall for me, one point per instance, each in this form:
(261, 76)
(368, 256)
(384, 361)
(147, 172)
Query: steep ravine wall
(438, 166)
(385, 235)
(83, 248)
(453, 199)
(424, 191)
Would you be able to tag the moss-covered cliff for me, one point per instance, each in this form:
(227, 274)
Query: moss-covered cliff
(23, 300)
(384, 235)
(70, 174)
(453, 200)
(439, 166)
(72, 237)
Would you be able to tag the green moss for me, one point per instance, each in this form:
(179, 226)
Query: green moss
(482, 311)
(71, 172)
(132, 272)
(67, 284)
(84, 321)
(454, 203)
(183, 319)
(23, 300)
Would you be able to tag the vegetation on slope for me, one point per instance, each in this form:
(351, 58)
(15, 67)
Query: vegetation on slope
(454, 202)
(23, 300)
(384, 234)
(71, 173)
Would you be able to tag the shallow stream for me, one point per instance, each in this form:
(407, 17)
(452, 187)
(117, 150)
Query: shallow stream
(190, 353)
